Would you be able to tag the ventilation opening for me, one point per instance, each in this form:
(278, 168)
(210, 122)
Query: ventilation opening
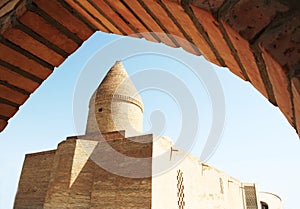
(100, 109)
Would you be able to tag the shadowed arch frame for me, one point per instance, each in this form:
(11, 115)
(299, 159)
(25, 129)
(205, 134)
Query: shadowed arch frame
(257, 40)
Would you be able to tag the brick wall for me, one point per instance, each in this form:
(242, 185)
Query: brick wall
(73, 176)
(34, 180)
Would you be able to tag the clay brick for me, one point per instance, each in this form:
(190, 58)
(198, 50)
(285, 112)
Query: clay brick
(33, 186)
(16, 58)
(7, 20)
(92, 17)
(132, 149)
(7, 110)
(249, 17)
(211, 26)
(296, 101)
(149, 21)
(185, 21)
(132, 20)
(3, 124)
(3, 2)
(96, 137)
(113, 16)
(280, 83)
(99, 16)
(282, 42)
(49, 32)
(247, 58)
(8, 7)
(12, 95)
(35, 47)
(168, 23)
(17, 80)
(64, 17)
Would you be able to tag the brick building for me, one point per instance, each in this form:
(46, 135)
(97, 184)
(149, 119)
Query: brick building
(115, 166)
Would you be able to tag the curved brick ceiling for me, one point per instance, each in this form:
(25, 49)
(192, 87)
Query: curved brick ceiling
(258, 40)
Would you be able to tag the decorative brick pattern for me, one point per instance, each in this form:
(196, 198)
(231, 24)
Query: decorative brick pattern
(180, 187)
(119, 97)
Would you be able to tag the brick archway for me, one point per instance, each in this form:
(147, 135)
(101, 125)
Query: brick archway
(258, 40)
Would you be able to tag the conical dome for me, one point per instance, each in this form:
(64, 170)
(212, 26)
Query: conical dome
(116, 104)
(118, 85)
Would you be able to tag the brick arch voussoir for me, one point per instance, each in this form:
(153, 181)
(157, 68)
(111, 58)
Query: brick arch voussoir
(259, 41)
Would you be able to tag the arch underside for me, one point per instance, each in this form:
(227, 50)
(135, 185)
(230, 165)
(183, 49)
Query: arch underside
(259, 41)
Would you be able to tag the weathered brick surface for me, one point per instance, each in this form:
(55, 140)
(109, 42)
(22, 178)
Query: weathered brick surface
(107, 10)
(65, 17)
(82, 175)
(211, 26)
(247, 58)
(244, 22)
(17, 12)
(90, 16)
(3, 2)
(183, 19)
(71, 178)
(132, 20)
(17, 80)
(30, 44)
(149, 21)
(3, 124)
(280, 49)
(46, 30)
(79, 5)
(169, 25)
(96, 137)
(296, 101)
(280, 83)
(58, 189)
(23, 62)
(137, 148)
(7, 6)
(249, 17)
(118, 191)
(34, 180)
(7, 110)
(12, 95)
(282, 42)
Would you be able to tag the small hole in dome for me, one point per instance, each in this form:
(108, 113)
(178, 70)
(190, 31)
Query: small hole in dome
(100, 109)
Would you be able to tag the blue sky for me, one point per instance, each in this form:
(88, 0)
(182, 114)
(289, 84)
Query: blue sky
(257, 144)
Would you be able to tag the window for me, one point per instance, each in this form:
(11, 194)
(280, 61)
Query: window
(264, 205)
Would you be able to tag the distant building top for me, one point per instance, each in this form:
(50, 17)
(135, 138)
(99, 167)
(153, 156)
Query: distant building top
(116, 104)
